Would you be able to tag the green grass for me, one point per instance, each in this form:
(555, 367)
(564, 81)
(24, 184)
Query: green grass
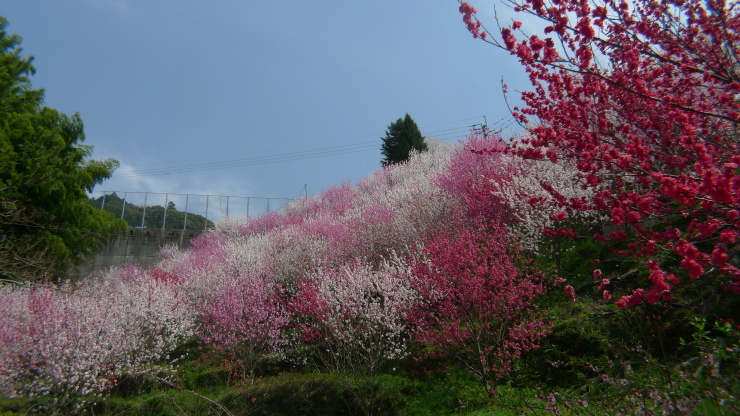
(446, 393)
(452, 392)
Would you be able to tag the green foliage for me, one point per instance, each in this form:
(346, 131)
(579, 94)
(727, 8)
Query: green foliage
(716, 365)
(45, 225)
(400, 139)
(154, 215)
(617, 382)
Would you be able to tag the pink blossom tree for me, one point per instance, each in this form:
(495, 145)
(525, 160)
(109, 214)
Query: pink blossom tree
(70, 342)
(355, 315)
(503, 188)
(245, 321)
(226, 278)
(472, 177)
(477, 305)
(50, 347)
(642, 97)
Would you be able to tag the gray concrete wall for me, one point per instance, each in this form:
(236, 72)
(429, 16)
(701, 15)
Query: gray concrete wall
(138, 245)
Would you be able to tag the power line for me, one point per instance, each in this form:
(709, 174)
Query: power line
(227, 163)
(371, 136)
(454, 132)
(367, 143)
(245, 162)
(455, 121)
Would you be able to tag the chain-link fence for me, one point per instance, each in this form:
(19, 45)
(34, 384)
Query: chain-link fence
(181, 211)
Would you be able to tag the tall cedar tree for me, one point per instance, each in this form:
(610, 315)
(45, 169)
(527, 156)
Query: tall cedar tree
(401, 137)
(46, 225)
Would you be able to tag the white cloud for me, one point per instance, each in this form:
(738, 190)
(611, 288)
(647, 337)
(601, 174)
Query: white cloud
(192, 183)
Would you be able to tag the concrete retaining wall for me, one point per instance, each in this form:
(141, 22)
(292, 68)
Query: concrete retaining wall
(138, 245)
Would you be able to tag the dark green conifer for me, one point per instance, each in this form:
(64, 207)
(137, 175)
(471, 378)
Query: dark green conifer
(401, 137)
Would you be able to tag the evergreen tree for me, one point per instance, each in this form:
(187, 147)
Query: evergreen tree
(401, 137)
(46, 226)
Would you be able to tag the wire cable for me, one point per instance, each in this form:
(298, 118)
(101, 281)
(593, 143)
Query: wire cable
(448, 133)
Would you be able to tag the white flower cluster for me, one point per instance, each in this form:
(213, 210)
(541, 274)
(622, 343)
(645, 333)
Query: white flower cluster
(526, 194)
(366, 320)
(75, 341)
(385, 212)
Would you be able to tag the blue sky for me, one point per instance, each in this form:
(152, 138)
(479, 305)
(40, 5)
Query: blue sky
(270, 88)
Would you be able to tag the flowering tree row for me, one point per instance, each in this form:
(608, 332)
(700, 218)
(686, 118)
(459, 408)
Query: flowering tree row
(349, 277)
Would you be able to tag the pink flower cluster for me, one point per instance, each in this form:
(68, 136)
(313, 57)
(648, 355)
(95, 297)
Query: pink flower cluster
(639, 97)
(245, 320)
(477, 304)
(474, 25)
(76, 340)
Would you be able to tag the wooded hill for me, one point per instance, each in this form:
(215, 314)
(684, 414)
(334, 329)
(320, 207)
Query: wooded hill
(154, 217)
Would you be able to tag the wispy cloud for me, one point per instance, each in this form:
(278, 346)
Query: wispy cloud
(177, 183)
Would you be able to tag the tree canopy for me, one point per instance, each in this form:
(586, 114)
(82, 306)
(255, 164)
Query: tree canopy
(46, 226)
(402, 136)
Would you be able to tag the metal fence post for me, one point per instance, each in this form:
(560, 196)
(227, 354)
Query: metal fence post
(143, 213)
(123, 207)
(205, 225)
(185, 224)
(166, 200)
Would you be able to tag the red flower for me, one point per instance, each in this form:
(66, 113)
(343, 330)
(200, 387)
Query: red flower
(570, 292)
(560, 216)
